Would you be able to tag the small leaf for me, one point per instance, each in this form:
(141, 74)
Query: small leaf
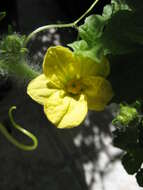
(127, 114)
(81, 48)
(126, 138)
(92, 29)
(139, 177)
(131, 164)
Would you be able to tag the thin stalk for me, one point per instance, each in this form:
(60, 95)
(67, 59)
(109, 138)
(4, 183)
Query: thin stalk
(88, 10)
(47, 27)
(70, 25)
(24, 131)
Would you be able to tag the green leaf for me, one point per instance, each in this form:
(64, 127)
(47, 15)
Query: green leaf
(90, 33)
(82, 48)
(123, 33)
(131, 164)
(139, 178)
(107, 11)
(12, 48)
(127, 114)
(124, 30)
(92, 29)
(119, 30)
(134, 4)
(126, 138)
(115, 6)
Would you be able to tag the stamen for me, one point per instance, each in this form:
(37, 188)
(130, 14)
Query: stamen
(74, 86)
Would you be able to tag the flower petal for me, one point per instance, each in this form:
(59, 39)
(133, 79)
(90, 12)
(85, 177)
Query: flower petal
(58, 64)
(65, 111)
(98, 91)
(61, 65)
(40, 88)
(87, 67)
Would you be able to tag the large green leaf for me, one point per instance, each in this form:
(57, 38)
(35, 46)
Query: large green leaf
(123, 33)
(90, 33)
(119, 30)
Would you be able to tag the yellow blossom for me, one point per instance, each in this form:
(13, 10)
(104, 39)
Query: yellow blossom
(69, 86)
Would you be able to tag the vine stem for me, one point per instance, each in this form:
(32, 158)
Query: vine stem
(70, 25)
(88, 10)
(24, 131)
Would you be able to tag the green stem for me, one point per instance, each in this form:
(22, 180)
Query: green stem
(70, 25)
(88, 10)
(24, 131)
(25, 71)
(43, 28)
(20, 70)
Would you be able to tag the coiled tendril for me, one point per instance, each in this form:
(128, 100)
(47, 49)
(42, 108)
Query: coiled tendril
(24, 131)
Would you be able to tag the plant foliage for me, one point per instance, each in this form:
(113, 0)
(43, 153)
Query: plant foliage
(117, 31)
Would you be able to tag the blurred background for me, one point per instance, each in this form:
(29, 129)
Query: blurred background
(82, 158)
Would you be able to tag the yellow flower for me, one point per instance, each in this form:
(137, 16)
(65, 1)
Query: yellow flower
(69, 86)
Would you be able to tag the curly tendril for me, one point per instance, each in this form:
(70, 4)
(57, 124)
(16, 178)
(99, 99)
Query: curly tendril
(69, 25)
(24, 131)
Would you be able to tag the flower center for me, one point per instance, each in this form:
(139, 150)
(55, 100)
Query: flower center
(74, 86)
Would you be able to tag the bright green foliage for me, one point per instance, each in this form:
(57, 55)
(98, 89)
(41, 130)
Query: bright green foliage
(114, 7)
(126, 115)
(13, 57)
(12, 48)
(127, 122)
(128, 136)
(90, 34)
(118, 31)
